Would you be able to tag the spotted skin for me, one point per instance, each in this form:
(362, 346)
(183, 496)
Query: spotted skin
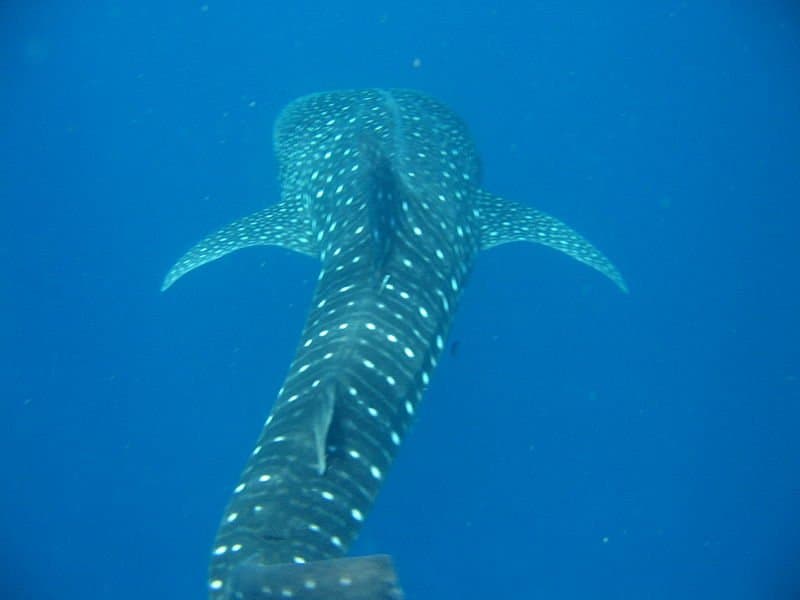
(381, 186)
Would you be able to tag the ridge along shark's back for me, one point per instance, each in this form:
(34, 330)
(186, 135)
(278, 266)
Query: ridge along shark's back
(382, 187)
(403, 123)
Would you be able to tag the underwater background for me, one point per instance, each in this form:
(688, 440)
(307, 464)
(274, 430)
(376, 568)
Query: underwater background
(575, 442)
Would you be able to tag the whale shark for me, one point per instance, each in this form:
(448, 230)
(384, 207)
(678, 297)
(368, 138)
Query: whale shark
(382, 187)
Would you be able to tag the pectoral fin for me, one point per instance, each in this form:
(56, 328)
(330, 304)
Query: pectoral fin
(284, 224)
(503, 221)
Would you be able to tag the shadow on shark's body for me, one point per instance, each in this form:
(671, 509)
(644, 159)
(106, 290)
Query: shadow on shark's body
(382, 187)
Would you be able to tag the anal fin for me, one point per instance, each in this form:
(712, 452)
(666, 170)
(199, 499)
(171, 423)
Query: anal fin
(359, 578)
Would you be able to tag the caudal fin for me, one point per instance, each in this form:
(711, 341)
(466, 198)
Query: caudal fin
(359, 578)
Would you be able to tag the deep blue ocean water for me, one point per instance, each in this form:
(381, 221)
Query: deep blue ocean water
(575, 442)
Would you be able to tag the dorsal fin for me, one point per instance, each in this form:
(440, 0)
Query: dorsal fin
(321, 417)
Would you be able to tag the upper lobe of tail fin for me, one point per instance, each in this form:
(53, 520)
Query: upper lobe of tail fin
(359, 578)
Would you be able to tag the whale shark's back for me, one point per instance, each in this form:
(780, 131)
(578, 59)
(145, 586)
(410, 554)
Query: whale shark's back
(412, 129)
(360, 578)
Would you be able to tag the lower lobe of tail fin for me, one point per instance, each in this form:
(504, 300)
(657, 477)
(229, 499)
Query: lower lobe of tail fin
(358, 578)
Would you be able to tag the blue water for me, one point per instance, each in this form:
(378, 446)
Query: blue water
(575, 442)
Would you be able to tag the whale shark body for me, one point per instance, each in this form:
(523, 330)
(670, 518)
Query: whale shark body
(382, 187)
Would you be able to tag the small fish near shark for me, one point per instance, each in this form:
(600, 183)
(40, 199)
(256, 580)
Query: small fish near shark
(382, 187)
